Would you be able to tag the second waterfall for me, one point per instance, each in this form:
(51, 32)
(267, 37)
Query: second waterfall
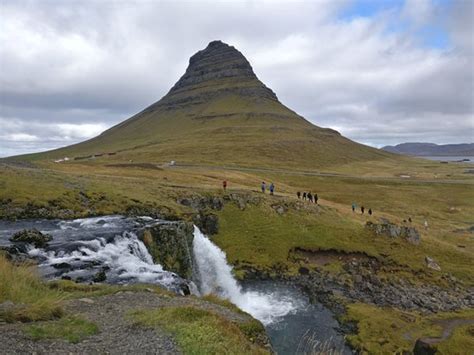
(214, 276)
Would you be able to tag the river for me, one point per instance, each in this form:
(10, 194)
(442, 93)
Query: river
(82, 248)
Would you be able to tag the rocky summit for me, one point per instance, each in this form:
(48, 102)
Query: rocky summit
(217, 70)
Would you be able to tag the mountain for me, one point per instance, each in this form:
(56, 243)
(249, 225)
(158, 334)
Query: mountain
(431, 149)
(220, 112)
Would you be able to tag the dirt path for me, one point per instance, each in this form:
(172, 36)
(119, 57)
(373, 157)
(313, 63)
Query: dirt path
(117, 334)
(448, 326)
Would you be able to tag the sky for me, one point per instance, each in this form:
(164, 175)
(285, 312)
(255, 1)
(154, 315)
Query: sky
(379, 71)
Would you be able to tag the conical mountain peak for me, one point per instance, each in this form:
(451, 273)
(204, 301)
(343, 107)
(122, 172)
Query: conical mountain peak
(217, 70)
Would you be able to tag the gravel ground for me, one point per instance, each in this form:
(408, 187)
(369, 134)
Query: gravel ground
(117, 334)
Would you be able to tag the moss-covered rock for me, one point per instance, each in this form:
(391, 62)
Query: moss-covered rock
(32, 236)
(170, 244)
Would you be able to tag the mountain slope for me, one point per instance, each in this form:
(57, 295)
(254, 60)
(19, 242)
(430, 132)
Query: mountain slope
(426, 149)
(220, 112)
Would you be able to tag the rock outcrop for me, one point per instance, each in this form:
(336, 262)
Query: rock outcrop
(170, 245)
(32, 236)
(388, 229)
(219, 69)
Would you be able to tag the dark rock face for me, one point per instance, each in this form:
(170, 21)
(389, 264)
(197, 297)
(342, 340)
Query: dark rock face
(170, 244)
(363, 284)
(387, 229)
(219, 69)
(208, 223)
(32, 236)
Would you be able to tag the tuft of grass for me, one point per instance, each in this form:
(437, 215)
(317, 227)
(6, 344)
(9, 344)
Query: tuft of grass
(199, 331)
(71, 289)
(72, 329)
(32, 299)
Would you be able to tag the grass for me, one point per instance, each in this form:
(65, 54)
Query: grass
(199, 331)
(72, 329)
(261, 238)
(33, 300)
(387, 330)
(71, 290)
(462, 338)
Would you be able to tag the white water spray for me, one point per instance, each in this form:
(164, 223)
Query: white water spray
(215, 277)
(126, 257)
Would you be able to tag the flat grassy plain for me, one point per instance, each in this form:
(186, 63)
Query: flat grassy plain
(259, 237)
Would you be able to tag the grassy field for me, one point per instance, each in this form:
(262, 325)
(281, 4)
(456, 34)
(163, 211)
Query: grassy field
(259, 237)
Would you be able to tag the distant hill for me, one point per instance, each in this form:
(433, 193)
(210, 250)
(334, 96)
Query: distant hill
(431, 149)
(219, 112)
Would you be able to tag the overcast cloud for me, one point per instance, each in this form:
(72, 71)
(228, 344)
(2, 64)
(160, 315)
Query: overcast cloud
(380, 72)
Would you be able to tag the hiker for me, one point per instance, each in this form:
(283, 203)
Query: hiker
(304, 196)
(272, 188)
(426, 224)
(298, 194)
(264, 186)
(409, 219)
(310, 197)
(224, 184)
(316, 198)
(362, 209)
(370, 211)
(354, 207)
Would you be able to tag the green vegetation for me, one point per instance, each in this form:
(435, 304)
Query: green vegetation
(199, 331)
(72, 329)
(387, 330)
(32, 299)
(222, 302)
(460, 340)
(261, 238)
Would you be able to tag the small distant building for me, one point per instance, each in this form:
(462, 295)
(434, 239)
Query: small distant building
(61, 160)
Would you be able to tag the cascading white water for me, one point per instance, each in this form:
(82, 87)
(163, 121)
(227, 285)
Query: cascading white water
(126, 258)
(214, 276)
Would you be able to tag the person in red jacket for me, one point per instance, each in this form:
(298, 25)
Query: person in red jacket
(224, 184)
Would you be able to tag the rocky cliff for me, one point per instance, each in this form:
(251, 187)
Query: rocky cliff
(219, 69)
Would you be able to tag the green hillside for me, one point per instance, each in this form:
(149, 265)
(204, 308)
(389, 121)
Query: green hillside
(219, 112)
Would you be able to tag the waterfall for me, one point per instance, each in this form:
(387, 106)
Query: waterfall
(124, 259)
(214, 276)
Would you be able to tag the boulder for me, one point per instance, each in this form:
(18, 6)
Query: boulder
(32, 236)
(424, 347)
(280, 208)
(432, 264)
(100, 276)
(170, 245)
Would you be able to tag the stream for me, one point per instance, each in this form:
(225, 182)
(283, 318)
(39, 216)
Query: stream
(81, 249)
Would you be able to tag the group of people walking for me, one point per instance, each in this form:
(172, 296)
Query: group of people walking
(271, 188)
(308, 196)
(362, 209)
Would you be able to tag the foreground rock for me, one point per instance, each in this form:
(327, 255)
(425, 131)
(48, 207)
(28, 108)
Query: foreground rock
(32, 236)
